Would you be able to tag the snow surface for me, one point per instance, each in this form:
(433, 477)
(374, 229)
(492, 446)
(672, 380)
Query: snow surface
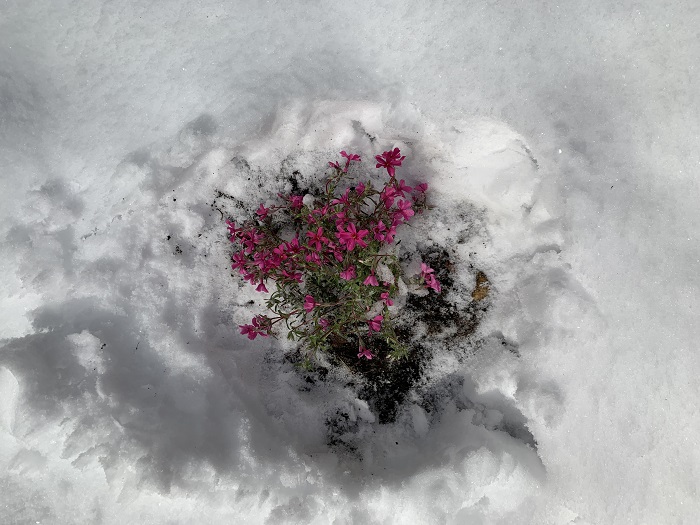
(560, 139)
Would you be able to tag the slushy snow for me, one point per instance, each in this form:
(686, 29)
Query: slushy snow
(559, 141)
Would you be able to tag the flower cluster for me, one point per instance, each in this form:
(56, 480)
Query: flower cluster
(331, 259)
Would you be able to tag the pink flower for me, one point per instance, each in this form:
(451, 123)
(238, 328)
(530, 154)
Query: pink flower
(324, 323)
(422, 187)
(263, 260)
(341, 219)
(432, 282)
(251, 239)
(348, 273)
(364, 352)
(313, 257)
(261, 287)
(360, 188)
(249, 330)
(379, 230)
(232, 230)
(294, 276)
(334, 250)
(344, 200)
(427, 274)
(402, 188)
(404, 211)
(296, 202)
(280, 251)
(262, 212)
(336, 253)
(321, 212)
(309, 303)
(371, 280)
(317, 239)
(293, 245)
(388, 196)
(351, 237)
(387, 300)
(239, 262)
(389, 235)
(350, 157)
(375, 324)
(390, 159)
(260, 327)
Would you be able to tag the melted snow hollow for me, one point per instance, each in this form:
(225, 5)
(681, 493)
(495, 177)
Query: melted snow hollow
(560, 147)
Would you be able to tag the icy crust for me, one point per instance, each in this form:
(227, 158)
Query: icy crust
(136, 388)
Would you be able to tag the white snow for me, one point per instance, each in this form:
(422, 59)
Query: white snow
(560, 142)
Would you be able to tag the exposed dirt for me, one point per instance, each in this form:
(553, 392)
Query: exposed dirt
(382, 382)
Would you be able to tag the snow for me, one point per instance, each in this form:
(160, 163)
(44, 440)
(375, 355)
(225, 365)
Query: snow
(560, 144)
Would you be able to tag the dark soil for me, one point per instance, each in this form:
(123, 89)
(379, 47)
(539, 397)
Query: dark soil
(384, 384)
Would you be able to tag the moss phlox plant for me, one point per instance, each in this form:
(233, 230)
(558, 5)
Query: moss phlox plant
(332, 260)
